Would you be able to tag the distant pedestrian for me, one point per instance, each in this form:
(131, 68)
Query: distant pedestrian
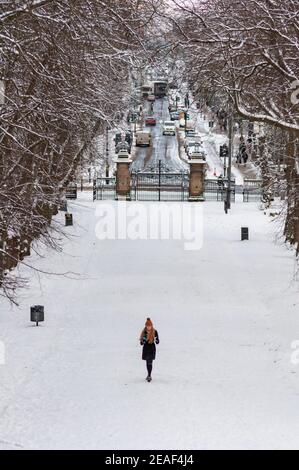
(220, 181)
(148, 339)
(245, 157)
(221, 114)
(242, 147)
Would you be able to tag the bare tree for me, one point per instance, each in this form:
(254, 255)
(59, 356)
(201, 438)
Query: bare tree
(66, 67)
(247, 53)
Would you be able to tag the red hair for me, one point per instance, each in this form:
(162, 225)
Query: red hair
(151, 333)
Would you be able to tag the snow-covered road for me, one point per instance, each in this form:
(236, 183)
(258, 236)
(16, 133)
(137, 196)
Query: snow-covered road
(164, 148)
(226, 315)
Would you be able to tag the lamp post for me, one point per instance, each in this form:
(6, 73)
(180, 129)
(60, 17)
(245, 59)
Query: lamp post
(230, 153)
(159, 191)
(224, 154)
(224, 166)
(135, 124)
(107, 154)
(185, 115)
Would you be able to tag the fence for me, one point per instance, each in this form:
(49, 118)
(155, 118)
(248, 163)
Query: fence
(104, 188)
(147, 186)
(216, 190)
(252, 190)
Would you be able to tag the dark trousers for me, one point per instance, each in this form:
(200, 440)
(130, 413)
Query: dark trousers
(149, 366)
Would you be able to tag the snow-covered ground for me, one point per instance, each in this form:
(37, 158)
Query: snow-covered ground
(212, 139)
(226, 315)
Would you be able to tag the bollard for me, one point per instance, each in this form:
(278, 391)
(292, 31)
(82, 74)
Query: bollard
(225, 205)
(68, 219)
(37, 313)
(244, 233)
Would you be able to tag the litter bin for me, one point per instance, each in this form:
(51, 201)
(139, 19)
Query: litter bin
(37, 313)
(244, 233)
(68, 219)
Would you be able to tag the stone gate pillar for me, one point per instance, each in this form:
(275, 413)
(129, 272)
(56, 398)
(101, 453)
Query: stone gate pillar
(123, 176)
(197, 179)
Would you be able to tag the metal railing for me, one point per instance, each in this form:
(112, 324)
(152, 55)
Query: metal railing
(252, 190)
(160, 186)
(146, 186)
(104, 188)
(215, 190)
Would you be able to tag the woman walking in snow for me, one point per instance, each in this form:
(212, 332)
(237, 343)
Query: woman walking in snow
(148, 339)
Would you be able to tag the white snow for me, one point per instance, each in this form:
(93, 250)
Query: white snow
(211, 143)
(226, 315)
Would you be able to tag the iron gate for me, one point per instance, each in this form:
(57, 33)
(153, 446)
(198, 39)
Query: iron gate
(149, 186)
(104, 188)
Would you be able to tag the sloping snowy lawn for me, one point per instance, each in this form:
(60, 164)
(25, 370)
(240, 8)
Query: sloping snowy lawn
(226, 315)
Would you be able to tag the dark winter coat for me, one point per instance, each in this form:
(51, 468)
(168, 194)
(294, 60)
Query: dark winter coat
(149, 349)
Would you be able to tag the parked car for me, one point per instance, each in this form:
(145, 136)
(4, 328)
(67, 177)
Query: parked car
(190, 132)
(169, 128)
(143, 138)
(197, 152)
(191, 142)
(191, 145)
(150, 121)
(174, 116)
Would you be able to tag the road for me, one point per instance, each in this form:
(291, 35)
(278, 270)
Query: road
(164, 148)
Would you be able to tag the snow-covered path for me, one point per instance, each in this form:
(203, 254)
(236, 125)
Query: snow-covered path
(226, 317)
(211, 143)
